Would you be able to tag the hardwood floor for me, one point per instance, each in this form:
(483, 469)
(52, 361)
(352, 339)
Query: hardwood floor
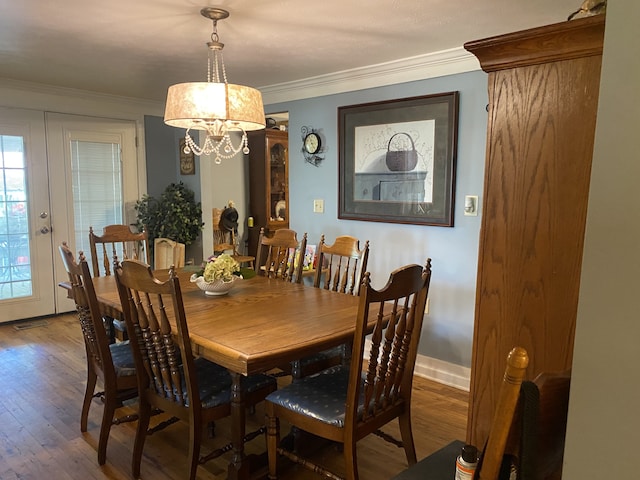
(42, 378)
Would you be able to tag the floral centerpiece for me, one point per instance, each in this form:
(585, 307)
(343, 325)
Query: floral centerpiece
(217, 274)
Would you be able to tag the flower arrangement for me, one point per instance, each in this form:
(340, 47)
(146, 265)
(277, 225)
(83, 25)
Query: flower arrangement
(221, 267)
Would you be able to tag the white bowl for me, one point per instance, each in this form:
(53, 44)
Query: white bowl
(215, 288)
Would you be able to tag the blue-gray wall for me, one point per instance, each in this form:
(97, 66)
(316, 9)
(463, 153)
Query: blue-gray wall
(163, 167)
(448, 329)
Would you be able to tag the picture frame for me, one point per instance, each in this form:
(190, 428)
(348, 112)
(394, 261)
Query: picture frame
(397, 160)
(187, 160)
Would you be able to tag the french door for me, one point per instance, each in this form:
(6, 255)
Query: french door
(60, 174)
(26, 269)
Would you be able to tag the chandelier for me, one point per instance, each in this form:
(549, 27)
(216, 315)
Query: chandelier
(216, 107)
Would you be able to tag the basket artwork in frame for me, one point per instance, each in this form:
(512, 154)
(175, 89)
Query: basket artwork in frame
(397, 160)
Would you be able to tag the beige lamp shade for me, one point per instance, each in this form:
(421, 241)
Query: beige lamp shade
(196, 104)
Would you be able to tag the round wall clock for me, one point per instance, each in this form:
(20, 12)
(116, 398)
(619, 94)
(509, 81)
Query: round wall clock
(311, 146)
(312, 143)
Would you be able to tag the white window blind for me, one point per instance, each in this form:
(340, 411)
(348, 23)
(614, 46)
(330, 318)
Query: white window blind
(96, 170)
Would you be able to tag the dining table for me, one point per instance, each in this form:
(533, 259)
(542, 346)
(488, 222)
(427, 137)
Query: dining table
(259, 325)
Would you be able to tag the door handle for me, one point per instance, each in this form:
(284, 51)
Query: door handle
(44, 230)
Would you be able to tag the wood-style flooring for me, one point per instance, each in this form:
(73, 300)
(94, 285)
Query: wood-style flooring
(42, 380)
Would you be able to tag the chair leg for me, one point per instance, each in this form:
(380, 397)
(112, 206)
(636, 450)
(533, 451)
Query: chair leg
(273, 439)
(88, 397)
(350, 461)
(195, 437)
(107, 420)
(144, 414)
(406, 433)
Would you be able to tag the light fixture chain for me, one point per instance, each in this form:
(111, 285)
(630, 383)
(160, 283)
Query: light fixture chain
(224, 70)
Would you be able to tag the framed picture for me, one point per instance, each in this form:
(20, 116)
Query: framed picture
(187, 160)
(397, 160)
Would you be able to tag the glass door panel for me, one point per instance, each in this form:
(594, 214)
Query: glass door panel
(26, 269)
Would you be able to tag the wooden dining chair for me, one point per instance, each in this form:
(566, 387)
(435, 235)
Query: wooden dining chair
(345, 404)
(167, 252)
(526, 437)
(191, 389)
(340, 268)
(116, 241)
(492, 457)
(527, 434)
(111, 363)
(282, 253)
(225, 240)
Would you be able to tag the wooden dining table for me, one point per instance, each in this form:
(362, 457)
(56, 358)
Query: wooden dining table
(259, 325)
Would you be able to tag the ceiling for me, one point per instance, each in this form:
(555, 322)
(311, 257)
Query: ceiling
(138, 48)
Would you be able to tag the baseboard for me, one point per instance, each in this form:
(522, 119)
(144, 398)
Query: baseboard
(439, 371)
(443, 372)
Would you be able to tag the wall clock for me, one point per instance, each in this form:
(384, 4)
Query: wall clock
(312, 146)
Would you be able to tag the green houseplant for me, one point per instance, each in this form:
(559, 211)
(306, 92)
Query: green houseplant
(175, 215)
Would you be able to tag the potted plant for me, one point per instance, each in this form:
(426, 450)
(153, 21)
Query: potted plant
(175, 215)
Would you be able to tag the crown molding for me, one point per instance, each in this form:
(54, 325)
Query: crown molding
(38, 96)
(421, 67)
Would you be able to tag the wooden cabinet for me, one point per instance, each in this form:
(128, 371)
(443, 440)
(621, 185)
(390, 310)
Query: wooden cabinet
(543, 98)
(268, 183)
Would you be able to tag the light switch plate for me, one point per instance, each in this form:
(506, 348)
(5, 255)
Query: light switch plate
(471, 205)
(318, 206)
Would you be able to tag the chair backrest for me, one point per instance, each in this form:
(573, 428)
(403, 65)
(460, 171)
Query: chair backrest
(397, 312)
(341, 266)
(493, 453)
(223, 240)
(536, 440)
(166, 253)
(116, 241)
(162, 353)
(283, 255)
(96, 338)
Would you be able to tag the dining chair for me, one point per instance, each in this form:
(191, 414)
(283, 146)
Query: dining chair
(534, 446)
(282, 253)
(345, 404)
(167, 252)
(116, 241)
(170, 378)
(527, 434)
(224, 239)
(111, 363)
(492, 456)
(340, 268)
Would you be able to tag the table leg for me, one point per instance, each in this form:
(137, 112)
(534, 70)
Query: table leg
(239, 467)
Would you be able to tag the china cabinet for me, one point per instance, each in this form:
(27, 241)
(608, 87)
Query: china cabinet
(268, 183)
(543, 96)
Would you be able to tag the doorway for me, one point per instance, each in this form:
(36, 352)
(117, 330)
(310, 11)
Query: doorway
(60, 174)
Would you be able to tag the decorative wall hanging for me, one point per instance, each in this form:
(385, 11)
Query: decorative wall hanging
(397, 160)
(187, 160)
(312, 145)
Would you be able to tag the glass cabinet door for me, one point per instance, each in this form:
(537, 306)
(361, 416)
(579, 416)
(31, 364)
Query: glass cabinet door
(278, 194)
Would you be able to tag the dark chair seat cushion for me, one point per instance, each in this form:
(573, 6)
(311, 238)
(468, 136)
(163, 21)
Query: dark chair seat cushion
(214, 383)
(321, 396)
(122, 357)
(320, 357)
